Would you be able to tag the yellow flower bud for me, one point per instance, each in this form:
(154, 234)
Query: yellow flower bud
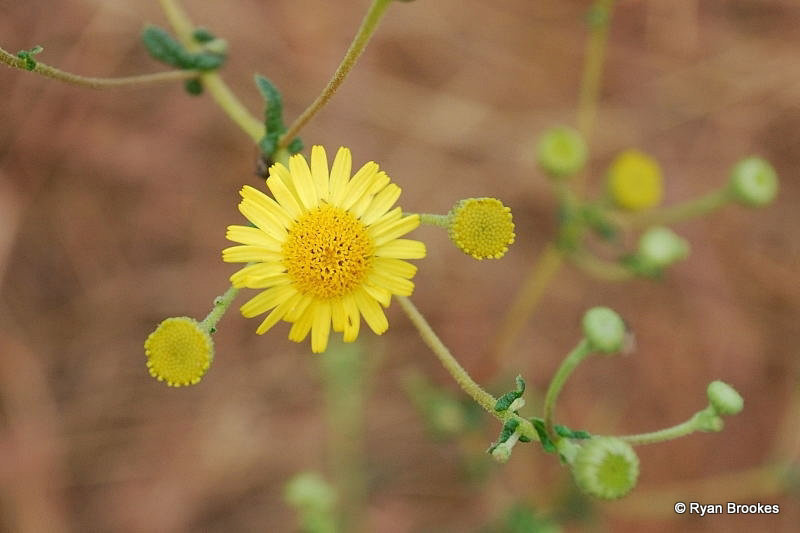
(634, 181)
(481, 227)
(179, 351)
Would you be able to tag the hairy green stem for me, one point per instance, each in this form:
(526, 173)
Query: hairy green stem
(464, 380)
(221, 304)
(368, 26)
(700, 421)
(96, 83)
(569, 364)
(212, 81)
(442, 221)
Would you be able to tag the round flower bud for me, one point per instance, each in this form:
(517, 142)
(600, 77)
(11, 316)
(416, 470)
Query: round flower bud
(307, 490)
(724, 398)
(754, 182)
(606, 467)
(179, 351)
(481, 227)
(660, 247)
(634, 181)
(604, 329)
(561, 151)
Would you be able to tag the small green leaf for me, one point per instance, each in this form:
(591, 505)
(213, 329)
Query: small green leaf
(544, 438)
(203, 35)
(296, 145)
(273, 118)
(509, 428)
(165, 48)
(567, 433)
(505, 401)
(194, 86)
(27, 56)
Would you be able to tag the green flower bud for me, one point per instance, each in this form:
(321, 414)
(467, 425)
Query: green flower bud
(724, 398)
(604, 329)
(562, 151)
(753, 182)
(307, 490)
(660, 247)
(606, 467)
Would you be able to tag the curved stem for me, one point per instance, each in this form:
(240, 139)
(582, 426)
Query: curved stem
(698, 422)
(464, 380)
(665, 216)
(569, 364)
(96, 83)
(212, 81)
(221, 304)
(368, 26)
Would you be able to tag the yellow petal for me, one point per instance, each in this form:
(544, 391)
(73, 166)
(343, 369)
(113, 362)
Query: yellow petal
(254, 236)
(338, 315)
(277, 314)
(402, 249)
(246, 253)
(285, 196)
(321, 328)
(268, 204)
(372, 312)
(265, 221)
(393, 230)
(381, 203)
(361, 181)
(319, 171)
(382, 295)
(392, 283)
(352, 320)
(303, 182)
(303, 324)
(340, 172)
(396, 267)
(266, 300)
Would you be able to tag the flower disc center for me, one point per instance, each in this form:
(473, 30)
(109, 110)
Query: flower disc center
(328, 252)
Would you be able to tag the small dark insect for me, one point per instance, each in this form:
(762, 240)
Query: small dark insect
(262, 166)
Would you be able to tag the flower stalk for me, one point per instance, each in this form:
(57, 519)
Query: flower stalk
(365, 32)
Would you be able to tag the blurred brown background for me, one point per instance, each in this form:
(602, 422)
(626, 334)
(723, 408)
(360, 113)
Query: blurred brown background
(113, 208)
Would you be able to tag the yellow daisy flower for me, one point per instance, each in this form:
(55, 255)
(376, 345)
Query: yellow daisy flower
(327, 249)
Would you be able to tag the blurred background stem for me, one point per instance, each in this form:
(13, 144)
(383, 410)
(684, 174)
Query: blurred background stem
(346, 371)
(551, 259)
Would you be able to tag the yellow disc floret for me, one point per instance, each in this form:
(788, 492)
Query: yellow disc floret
(481, 227)
(634, 181)
(179, 351)
(327, 252)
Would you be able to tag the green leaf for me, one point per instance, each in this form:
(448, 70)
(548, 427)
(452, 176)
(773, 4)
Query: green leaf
(505, 401)
(273, 118)
(567, 433)
(509, 428)
(27, 56)
(544, 438)
(203, 35)
(165, 48)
